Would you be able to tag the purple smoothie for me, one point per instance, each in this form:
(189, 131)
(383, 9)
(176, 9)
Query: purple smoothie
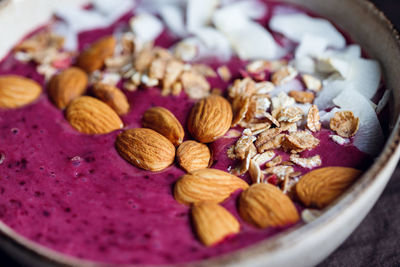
(73, 193)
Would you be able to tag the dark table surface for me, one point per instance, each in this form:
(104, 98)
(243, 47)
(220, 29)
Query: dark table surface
(376, 242)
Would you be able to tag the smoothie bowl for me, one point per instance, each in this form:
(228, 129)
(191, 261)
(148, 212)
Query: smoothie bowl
(254, 133)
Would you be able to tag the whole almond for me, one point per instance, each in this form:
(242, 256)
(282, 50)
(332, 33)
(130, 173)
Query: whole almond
(112, 96)
(67, 85)
(210, 118)
(207, 185)
(213, 223)
(321, 187)
(193, 156)
(17, 91)
(163, 121)
(264, 205)
(145, 149)
(93, 57)
(91, 116)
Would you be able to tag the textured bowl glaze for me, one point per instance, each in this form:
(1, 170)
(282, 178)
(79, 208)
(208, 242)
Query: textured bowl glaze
(304, 245)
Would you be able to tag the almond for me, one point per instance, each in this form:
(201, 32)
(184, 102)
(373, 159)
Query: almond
(91, 116)
(193, 156)
(94, 57)
(112, 96)
(207, 185)
(210, 118)
(264, 205)
(163, 121)
(67, 85)
(320, 187)
(17, 91)
(145, 148)
(213, 223)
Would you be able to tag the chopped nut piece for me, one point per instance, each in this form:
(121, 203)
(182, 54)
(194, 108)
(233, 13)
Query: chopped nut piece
(263, 65)
(176, 88)
(185, 51)
(312, 83)
(157, 68)
(149, 82)
(262, 158)
(282, 101)
(313, 123)
(224, 73)
(290, 114)
(344, 123)
(280, 171)
(276, 161)
(173, 69)
(204, 70)
(299, 141)
(339, 140)
(284, 75)
(255, 172)
(302, 97)
(308, 163)
(143, 59)
(195, 85)
(130, 86)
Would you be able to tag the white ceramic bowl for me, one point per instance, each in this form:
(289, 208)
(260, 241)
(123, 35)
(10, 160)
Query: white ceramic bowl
(304, 245)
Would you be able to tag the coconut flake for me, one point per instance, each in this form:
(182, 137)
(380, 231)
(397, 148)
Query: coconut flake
(249, 39)
(365, 75)
(369, 137)
(325, 117)
(296, 26)
(383, 102)
(215, 42)
(311, 45)
(174, 20)
(146, 27)
(199, 13)
(331, 90)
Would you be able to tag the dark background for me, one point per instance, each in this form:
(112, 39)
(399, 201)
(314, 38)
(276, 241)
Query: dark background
(376, 242)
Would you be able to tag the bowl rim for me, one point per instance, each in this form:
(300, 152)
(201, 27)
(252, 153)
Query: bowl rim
(11, 240)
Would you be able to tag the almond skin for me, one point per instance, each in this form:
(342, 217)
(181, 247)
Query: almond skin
(163, 121)
(207, 185)
(145, 148)
(91, 116)
(112, 96)
(264, 205)
(193, 156)
(213, 223)
(321, 187)
(210, 118)
(66, 86)
(93, 58)
(17, 91)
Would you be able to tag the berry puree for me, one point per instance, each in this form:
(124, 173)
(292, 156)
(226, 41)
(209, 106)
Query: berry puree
(75, 194)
